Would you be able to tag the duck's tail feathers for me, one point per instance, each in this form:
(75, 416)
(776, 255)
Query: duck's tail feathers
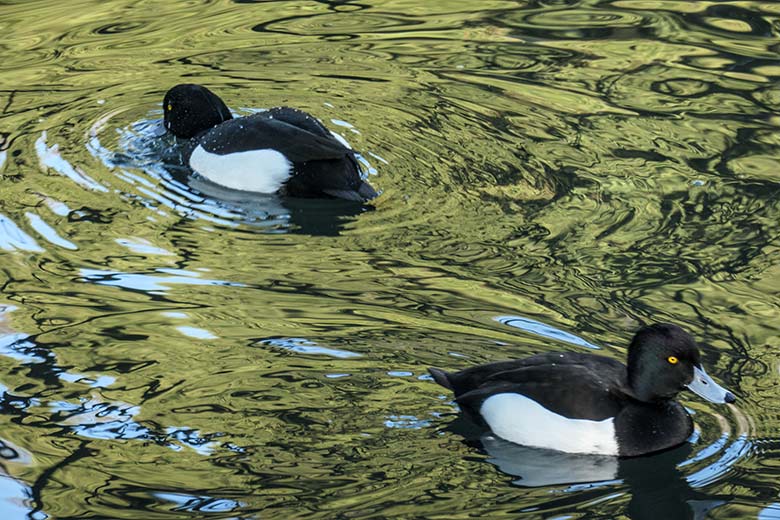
(441, 377)
(344, 194)
(362, 193)
(367, 191)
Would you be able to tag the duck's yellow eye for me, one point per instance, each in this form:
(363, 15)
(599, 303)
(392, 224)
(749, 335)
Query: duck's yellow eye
(673, 360)
(169, 107)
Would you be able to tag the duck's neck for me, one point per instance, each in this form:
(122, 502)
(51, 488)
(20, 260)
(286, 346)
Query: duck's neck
(646, 391)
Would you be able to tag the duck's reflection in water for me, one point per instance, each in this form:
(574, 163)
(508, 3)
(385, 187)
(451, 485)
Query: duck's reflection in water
(537, 467)
(657, 488)
(316, 217)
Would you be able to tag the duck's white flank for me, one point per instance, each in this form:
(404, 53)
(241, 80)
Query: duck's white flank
(261, 171)
(522, 420)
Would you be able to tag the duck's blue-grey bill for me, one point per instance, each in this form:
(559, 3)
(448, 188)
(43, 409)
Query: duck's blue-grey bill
(703, 386)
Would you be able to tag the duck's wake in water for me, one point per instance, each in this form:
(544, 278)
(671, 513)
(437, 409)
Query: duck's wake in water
(156, 166)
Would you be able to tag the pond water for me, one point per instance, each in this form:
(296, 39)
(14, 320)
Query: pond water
(554, 174)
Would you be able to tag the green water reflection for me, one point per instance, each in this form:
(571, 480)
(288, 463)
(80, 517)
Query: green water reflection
(547, 168)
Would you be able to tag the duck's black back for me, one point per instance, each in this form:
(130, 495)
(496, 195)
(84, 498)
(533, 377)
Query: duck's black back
(576, 386)
(263, 131)
(341, 176)
(322, 165)
(298, 118)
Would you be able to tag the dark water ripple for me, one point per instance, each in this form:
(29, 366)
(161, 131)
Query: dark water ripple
(554, 174)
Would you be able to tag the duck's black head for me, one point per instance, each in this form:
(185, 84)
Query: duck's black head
(191, 109)
(663, 359)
